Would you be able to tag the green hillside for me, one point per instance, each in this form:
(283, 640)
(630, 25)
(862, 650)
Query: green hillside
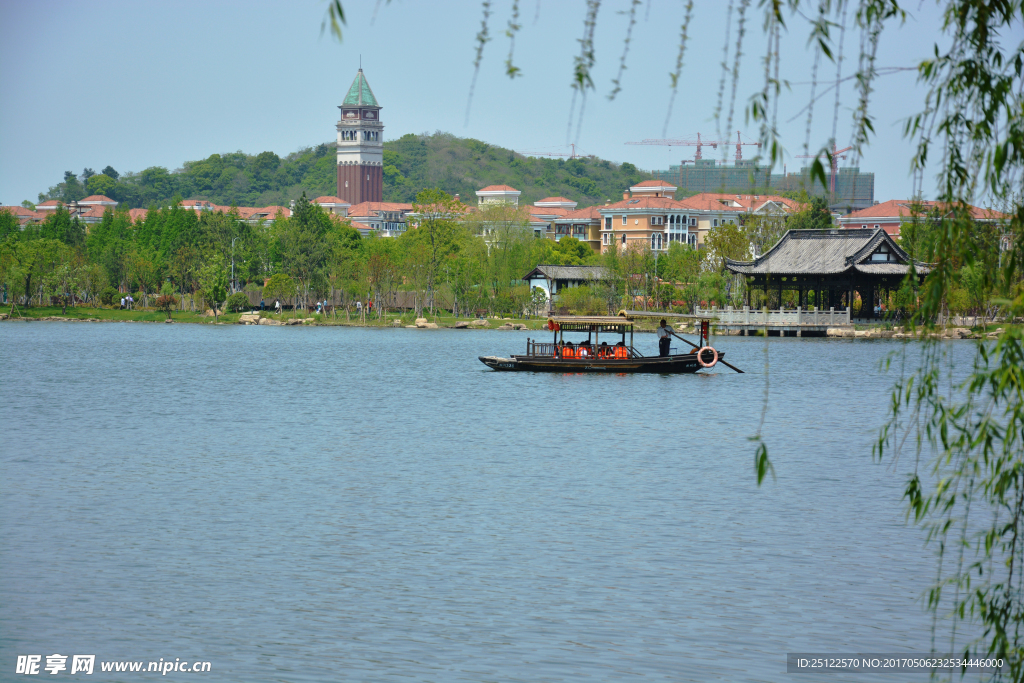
(411, 163)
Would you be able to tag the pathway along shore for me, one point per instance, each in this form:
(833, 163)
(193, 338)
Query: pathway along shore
(45, 314)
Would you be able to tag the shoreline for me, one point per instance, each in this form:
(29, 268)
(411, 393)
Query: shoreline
(409, 321)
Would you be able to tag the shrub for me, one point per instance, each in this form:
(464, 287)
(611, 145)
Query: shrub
(108, 295)
(166, 303)
(238, 302)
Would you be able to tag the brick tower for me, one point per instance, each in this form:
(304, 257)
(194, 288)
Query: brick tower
(360, 145)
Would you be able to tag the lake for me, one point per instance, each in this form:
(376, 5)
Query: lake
(326, 504)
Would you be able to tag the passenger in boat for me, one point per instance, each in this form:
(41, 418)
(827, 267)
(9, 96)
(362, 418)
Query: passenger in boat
(603, 351)
(664, 340)
(585, 351)
(568, 351)
(621, 351)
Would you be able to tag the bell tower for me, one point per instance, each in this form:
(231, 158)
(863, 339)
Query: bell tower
(360, 145)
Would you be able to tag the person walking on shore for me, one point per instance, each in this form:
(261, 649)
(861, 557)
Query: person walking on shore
(664, 341)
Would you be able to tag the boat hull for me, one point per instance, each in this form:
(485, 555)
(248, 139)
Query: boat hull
(679, 364)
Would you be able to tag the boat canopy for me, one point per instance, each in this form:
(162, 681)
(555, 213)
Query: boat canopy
(590, 323)
(661, 314)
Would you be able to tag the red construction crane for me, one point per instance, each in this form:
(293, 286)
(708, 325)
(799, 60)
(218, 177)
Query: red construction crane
(836, 155)
(698, 143)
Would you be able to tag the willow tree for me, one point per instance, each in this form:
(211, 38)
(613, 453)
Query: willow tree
(967, 437)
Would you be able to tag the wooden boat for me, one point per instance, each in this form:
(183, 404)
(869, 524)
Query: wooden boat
(591, 355)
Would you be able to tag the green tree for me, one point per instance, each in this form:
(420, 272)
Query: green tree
(62, 282)
(279, 286)
(214, 281)
(815, 216)
(101, 184)
(438, 230)
(726, 241)
(28, 262)
(9, 224)
(60, 226)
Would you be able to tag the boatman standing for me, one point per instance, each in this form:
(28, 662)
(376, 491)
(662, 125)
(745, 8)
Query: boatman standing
(664, 342)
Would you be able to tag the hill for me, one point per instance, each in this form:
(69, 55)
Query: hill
(411, 163)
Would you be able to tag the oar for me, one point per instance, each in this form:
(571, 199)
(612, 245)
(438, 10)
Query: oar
(733, 367)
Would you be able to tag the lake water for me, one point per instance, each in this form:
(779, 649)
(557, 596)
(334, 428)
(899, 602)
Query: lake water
(327, 504)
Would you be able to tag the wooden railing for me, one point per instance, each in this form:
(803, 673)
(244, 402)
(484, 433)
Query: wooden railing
(547, 350)
(778, 318)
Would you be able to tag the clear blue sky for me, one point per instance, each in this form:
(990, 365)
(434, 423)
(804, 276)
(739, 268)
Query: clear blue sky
(138, 84)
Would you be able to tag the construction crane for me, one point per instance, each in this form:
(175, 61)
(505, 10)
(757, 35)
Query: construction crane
(698, 143)
(835, 156)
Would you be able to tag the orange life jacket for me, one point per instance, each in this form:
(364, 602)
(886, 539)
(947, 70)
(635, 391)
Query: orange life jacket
(620, 352)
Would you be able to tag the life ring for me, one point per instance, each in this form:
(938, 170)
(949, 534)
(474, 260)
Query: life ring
(714, 357)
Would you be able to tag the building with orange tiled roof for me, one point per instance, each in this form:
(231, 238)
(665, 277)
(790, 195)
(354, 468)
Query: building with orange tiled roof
(891, 215)
(654, 188)
(498, 194)
(388, 219)
(25, 216)
(334, 205)
(364, 229)
(89, 210)
(652, 221)
(98, 200)
(555, 203)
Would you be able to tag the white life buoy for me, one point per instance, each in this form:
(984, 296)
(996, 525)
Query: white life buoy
(714, 357)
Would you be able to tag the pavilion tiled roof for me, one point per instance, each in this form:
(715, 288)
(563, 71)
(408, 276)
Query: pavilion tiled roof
(329, 200)
(827, 252)
(577, 273)
(552, 200)
(96, 198)
(498, 188)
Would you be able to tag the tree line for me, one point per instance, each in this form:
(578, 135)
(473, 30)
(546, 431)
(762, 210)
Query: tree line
(412, 162)
(451, 258)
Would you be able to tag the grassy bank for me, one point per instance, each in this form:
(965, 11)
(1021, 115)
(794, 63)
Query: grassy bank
(139, 314)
